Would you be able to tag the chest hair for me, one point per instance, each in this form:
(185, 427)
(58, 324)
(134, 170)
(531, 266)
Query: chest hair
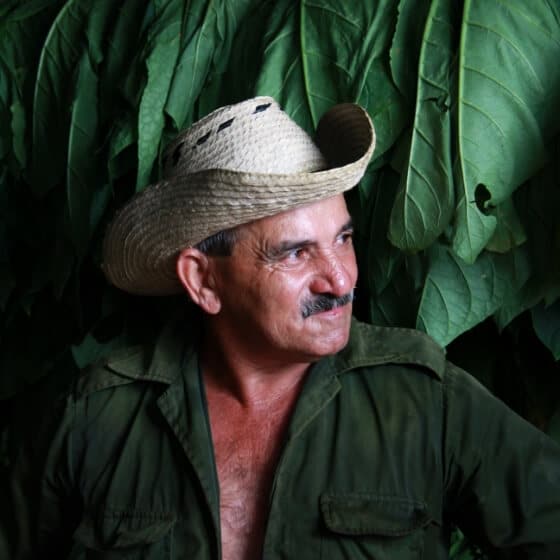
(247, 446)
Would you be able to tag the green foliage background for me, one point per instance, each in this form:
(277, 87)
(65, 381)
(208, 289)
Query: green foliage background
(457, 216)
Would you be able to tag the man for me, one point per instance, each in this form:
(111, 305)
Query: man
(276, 426)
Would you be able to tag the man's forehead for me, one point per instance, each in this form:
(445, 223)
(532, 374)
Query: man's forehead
(323, 215)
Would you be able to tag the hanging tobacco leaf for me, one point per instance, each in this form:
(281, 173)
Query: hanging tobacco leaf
(425, 200)
(508, 91)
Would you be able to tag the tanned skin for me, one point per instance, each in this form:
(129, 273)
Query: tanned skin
(260, 340)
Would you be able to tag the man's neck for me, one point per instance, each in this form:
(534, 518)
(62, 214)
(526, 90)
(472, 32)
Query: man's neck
(253, 383)
(250, 403)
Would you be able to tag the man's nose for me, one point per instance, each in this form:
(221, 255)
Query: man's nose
(333, 276)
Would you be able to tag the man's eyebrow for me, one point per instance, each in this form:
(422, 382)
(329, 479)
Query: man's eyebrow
(348, 226)
(288, 245)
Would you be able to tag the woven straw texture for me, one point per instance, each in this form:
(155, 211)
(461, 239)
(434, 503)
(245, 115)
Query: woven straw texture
(238, 164)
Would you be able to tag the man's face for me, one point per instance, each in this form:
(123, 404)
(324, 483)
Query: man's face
(286, 289)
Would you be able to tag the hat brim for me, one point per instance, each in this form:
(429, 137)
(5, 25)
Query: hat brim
(143, 241)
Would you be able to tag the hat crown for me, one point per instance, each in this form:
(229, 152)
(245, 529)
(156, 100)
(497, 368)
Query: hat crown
(253, 136)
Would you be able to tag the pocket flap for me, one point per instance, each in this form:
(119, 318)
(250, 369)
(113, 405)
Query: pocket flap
(123, 528)
(370, 514)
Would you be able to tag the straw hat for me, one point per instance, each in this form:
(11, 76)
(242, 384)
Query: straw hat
(238, 164)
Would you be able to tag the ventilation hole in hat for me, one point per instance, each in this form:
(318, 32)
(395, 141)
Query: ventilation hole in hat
(177, 153)
(261, 108)
(203, 139)
(225, 124)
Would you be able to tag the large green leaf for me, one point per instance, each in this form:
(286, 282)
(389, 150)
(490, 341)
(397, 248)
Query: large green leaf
(508, 91)
(82, 174)
(458, 296)
(100, 22)
(383, 259)
(208, 33)
(319, 53)
(160, 62)
(22, 29)
(281, 75)
(232, 75)
(53, 89)
(406, 45)
(122, 59)
(425, 201)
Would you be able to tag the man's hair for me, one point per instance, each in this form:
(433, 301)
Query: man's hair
(220, 244)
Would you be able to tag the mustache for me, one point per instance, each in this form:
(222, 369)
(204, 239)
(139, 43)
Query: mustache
(324, 302)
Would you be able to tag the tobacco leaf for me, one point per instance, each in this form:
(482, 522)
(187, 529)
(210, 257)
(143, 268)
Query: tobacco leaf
(456, 295)
(82, 176)
(508, 90)
(425, 200)
(317, 54)
(163, 50)
(54, 87)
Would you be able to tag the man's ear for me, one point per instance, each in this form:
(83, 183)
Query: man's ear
(195, 274)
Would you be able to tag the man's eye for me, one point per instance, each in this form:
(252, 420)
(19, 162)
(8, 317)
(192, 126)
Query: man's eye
(296, 254)
(346, 237)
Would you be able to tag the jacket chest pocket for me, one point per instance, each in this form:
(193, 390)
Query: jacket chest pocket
(126, 534)
(372, 526)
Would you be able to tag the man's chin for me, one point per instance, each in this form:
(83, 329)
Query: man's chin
(333, 331)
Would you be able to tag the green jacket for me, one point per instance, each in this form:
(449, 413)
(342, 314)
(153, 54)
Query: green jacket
(389, 444)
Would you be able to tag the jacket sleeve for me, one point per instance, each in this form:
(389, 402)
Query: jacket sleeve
(40, 509)
(502, 475)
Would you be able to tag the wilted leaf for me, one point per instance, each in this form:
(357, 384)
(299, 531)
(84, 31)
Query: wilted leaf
(509, 84)
(425, 200)
(458, 296)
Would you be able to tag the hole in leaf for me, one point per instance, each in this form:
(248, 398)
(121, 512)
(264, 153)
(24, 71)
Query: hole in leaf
(481, 197)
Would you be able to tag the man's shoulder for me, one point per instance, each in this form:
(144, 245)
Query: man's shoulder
(371, 345)
(155, 362)
(119, 368)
